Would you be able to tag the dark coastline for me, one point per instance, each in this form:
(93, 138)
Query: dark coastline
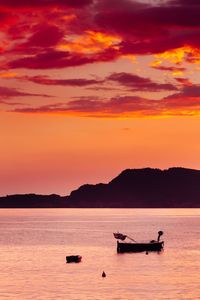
(133, 188)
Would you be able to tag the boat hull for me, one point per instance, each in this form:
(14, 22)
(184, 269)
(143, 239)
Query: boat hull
(139, 247)
(73, 258)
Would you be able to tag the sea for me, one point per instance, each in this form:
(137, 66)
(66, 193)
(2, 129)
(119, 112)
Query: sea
(34, 244)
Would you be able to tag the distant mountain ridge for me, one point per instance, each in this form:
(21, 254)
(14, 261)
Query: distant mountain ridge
(134, 188)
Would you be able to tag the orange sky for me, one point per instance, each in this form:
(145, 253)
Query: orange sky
(89, 88)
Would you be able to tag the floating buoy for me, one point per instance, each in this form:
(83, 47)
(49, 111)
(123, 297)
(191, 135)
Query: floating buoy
(103, 274)
(147, 252)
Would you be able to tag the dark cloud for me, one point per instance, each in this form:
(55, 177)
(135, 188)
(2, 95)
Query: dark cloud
(171, 68)
(172, 16)
(156, 45)
(6, 93)
(105, 88)
(118, 6)
(80, 82)
(11, 103)
(187, 92)
(129, 24)
(44, 3)
(184, 2)
(184, 103)
(4, 16)
(45, 35)
(7, 20)
(147, 17)
(151, 29)
(142, 29)
(50, 59)
(137, 83)
(128, 80)
(184, 81)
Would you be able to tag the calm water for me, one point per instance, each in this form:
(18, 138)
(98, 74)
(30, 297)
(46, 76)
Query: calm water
(34, 243)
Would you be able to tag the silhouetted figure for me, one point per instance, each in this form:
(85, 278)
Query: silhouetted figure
(103, 274)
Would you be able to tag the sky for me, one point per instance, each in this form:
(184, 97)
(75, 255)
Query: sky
(89, 88)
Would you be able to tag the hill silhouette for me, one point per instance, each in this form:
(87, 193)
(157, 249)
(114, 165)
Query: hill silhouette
(136, 188)
(32, 201)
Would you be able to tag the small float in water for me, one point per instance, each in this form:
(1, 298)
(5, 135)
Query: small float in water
(103, 274)
(134, 246)
(73, 258)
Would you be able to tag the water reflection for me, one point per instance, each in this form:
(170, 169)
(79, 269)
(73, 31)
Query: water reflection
(34, 245)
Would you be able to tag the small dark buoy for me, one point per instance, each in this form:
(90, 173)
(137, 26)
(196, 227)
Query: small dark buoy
(147, 252)
(103, 274)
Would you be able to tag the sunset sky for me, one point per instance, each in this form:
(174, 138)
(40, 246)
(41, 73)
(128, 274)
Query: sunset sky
(91, 87)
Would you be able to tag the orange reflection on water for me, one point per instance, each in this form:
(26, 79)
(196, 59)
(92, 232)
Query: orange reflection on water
(34, 243)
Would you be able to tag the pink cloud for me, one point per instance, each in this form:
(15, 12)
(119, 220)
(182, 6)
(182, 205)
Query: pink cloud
(185, 103)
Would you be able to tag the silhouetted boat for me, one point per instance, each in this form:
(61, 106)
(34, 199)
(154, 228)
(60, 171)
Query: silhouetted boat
(73, 258)
(134, 246)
